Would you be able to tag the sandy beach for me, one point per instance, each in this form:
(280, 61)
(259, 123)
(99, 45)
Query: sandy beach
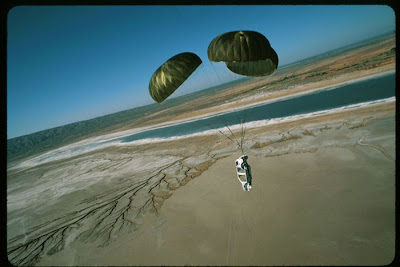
(323, 194)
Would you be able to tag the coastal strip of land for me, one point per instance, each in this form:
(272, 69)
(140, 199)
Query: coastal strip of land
(111, 206)
(323, 185)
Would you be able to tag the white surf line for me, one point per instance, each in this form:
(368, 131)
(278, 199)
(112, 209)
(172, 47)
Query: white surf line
(321, 112)
(62, 152)
(311, 91)
(125, 133)
(66, 153)
(255, 124)
(213, 114)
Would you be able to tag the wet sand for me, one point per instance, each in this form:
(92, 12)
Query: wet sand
(323, 186)
(323, 194)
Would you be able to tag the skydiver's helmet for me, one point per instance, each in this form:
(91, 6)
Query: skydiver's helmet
(239, 163)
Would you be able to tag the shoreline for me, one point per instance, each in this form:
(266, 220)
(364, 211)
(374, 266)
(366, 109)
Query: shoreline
(265, 122)
(313, 90)
(29, 163)
(125, 133)
(106, 197)
(55, 154)
(323, 189)
(306, 174)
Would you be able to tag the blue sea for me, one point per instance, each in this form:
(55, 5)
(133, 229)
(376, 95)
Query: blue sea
(361, 92)
(354, 93)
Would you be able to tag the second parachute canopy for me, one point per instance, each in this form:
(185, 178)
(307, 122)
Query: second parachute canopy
(244, 52)
(170, 75)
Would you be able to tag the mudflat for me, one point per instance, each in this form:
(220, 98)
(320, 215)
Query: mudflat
(323, 186)
(323, 194)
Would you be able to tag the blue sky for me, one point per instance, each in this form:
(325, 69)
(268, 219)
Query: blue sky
(72, 63)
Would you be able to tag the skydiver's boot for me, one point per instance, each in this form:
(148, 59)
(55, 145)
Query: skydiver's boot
(246, 187)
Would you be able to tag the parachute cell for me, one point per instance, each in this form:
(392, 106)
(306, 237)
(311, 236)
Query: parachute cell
(170, 75)
(244, 52)
(261, 67)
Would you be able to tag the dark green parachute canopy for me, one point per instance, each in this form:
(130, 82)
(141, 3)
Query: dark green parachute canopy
(167, 78)
(261, 67)
(244, 52)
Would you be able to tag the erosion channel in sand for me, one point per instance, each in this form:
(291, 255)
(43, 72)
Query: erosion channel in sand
(323, 193)
(320, 196)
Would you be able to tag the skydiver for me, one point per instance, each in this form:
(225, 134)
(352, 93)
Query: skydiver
(242, 164)
(247, 167)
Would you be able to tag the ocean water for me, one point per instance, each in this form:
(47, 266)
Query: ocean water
(359, 93)
(331, 98)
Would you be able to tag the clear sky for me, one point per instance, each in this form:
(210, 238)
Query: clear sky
(72, 63)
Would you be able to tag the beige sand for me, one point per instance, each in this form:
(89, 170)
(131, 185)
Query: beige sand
(323, 186)
(325, 197)
(331, 207)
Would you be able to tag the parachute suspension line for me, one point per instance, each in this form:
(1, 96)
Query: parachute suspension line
(237, 142)
(193, 82)
(242, 121)
(243, 134)
(196, 81)
(240, 145)
(218, 79)
(202, 76)
(208, 75)
(234, 141)
(241, 129)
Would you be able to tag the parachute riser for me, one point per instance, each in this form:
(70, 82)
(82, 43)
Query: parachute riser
(243, 133)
